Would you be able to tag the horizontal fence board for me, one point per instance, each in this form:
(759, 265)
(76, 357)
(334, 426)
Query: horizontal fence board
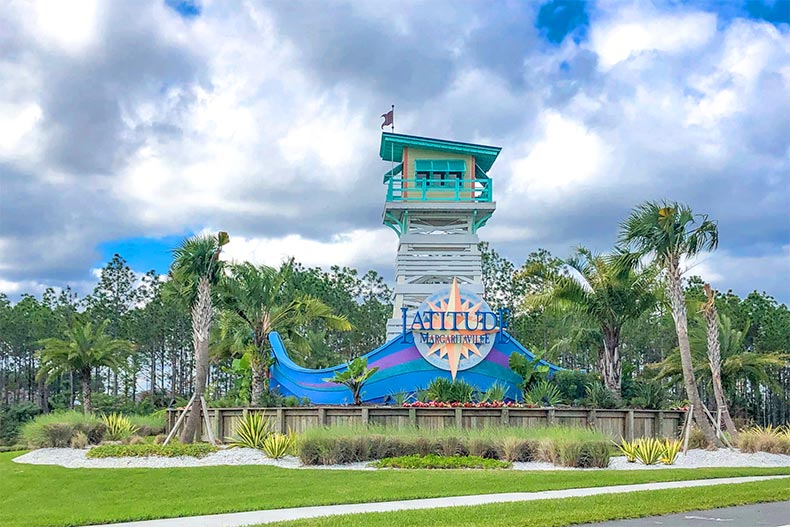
(619, 423)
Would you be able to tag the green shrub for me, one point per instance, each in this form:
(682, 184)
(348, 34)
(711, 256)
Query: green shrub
(432, 461)
(118, 427)
(543, 393)
(445, 390)
(56, 429)
(251, 431)
(12, 448)
(278, 445)
(12, 417)
(599, 396)
(573, 385)
(650, 395)
(173, 449)
(496, 392)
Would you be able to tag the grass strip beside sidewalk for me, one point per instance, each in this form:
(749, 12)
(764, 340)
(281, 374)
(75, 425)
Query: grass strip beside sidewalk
(566, 511)
(46, 496)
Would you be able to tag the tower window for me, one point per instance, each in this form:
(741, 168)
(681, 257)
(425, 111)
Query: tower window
(440, 173)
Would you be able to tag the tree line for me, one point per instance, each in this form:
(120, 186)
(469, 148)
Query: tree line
(137, 343)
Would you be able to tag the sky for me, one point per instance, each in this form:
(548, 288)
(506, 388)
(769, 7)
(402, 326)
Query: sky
(126, 126)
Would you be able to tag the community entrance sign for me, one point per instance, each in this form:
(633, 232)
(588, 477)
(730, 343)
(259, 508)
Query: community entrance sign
(439, 195)
(454, 329)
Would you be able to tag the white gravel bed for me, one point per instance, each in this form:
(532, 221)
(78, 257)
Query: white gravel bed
(73, 458)
(710, 459)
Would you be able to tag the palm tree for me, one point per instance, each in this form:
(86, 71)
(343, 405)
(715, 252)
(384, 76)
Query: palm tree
(354, 377)
(261, 297)
(667, 233)
(713, 346)
(196, 268)
(85, 347)
(738, 364)
(597, 288)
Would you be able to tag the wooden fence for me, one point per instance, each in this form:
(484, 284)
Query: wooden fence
(618, 423)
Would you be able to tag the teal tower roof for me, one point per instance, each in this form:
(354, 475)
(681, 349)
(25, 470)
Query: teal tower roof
(392, 148)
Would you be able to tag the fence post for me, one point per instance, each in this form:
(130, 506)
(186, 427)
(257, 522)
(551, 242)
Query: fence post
(660, 425)
(413, 417)
(629, 425)
(459, 420)
(550, 416)
(279, 420)
(321, 416)
(365, 417)
(592, 418)
(505, 419)
(218, 431)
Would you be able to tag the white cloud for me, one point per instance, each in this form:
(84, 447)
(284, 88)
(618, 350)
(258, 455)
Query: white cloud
(67, 26)
(632, 31)
(566, 157)
(357, 247)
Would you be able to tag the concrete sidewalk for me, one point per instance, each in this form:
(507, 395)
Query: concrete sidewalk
(240, 519)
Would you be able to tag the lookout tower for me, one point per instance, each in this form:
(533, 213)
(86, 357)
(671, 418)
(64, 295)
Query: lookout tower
(438, 195)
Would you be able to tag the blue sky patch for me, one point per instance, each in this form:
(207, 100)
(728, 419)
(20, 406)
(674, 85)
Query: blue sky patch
(142, 254)
(559, 18)
(185, 8)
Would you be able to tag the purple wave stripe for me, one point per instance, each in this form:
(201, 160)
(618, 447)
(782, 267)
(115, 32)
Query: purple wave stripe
(497, 357)
(395, 359)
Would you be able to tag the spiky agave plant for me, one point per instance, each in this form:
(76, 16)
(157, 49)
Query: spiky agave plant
(670, 452)
(627, 448)
(649, 450)
(251, 431)
(278, 445)
(118, 427)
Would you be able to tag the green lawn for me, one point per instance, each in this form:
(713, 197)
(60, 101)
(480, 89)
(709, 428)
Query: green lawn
(44, 496)
(569, 511)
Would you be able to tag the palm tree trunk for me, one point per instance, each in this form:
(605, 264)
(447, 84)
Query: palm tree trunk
(201, 324)
(258, 380)
(677, 301)
(87, 403)
(610, 362)
(714, 358)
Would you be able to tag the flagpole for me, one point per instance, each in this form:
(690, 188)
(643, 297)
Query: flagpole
(392, 124)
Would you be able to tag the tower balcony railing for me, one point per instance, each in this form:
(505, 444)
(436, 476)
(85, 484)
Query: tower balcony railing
(439, 189)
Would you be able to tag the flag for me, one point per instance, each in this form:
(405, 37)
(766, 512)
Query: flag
(389, 118)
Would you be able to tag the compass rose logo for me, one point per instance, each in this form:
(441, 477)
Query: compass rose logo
(454, 331)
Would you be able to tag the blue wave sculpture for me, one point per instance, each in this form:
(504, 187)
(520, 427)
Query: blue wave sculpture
(401, 369)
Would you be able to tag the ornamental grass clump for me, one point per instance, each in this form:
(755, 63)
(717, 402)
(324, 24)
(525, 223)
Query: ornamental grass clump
(565, 446)
(774, 440)
(251, 431)
(118, 427)
(58, 428)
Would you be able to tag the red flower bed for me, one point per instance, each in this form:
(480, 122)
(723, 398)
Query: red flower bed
(492, 404)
